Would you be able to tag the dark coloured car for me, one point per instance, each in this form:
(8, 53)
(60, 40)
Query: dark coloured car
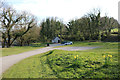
(63, 42)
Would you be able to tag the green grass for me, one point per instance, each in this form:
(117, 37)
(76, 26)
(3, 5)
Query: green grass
(83, 43)
(61, 64)
(18, 49)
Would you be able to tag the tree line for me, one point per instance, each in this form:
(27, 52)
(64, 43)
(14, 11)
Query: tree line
(22, 28)
(91, 27)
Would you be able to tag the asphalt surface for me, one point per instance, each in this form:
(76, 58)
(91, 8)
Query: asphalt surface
(75, 48)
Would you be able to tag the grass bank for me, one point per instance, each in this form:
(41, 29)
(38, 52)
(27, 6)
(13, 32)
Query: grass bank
(70, 64)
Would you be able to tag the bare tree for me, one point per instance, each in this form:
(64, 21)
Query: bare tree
(11, 24)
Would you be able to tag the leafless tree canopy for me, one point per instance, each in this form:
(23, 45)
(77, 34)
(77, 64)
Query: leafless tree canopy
(13, 24)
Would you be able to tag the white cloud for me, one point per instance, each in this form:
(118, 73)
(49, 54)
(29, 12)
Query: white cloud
(66, 9)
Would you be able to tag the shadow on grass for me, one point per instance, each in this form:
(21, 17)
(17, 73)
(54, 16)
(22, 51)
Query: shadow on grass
(50, 65)
(39, 45)
(49, 53)
(73, 66)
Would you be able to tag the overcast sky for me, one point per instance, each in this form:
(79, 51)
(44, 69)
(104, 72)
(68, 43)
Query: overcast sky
(66, 9)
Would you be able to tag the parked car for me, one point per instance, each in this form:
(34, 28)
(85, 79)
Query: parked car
(63, 42)
(68, 43)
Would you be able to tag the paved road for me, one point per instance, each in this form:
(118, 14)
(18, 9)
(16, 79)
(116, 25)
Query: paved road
(75, 48)
(8, 61)
(53, 45)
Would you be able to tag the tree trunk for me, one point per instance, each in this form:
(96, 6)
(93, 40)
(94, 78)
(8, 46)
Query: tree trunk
(9, 37)
(8, 45)
(21, 43)
(3, 44)
(60, 34)
(3, 40)
(28, 43)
